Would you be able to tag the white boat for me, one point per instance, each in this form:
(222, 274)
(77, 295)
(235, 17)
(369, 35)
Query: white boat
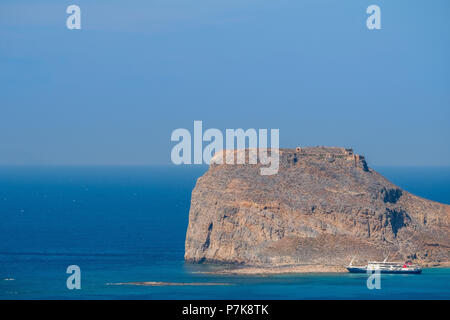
(385, 267)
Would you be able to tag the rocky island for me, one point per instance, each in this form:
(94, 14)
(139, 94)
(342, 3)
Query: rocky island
(324, 207)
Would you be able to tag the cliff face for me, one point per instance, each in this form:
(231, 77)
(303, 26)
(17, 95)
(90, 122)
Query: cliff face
(323, 207)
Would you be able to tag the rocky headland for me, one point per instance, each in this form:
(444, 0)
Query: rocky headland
(324, 207)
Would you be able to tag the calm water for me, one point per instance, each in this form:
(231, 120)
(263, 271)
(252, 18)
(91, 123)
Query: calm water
(129, 224)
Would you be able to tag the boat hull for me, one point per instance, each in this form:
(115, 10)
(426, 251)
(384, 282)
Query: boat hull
(364, 270)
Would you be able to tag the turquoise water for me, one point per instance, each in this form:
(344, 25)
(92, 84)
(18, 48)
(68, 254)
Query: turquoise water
(122, 224)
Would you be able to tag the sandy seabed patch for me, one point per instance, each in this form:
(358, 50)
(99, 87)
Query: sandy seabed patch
(159, 284)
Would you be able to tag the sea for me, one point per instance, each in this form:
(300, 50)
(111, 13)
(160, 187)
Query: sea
(128, 224)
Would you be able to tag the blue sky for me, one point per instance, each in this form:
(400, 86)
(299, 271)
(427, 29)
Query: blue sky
(112, 93)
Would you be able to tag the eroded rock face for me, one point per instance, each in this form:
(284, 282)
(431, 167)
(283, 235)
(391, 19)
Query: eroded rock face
(324, 206)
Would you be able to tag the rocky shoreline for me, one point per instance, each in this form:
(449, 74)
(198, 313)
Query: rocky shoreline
(248, 270)
(296, 269)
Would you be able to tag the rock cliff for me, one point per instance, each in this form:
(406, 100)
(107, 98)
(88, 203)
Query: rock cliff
(323, 207)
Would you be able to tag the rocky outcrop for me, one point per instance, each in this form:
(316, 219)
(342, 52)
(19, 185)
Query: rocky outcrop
(323, 207)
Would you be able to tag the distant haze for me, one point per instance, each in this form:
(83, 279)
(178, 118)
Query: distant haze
(112, 92)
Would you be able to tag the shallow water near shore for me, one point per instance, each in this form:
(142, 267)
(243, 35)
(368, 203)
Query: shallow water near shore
(128, 224)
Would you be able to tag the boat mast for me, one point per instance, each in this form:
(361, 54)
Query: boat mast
(352, 261)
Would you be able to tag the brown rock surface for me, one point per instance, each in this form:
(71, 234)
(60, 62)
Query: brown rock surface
(322, 208)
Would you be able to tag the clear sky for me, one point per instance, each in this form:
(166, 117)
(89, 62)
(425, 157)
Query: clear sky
(113, 92)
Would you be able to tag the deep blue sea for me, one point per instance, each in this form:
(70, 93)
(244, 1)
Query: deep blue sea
(124, 224)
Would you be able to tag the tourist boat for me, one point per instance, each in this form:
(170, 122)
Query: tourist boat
(385, 267)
